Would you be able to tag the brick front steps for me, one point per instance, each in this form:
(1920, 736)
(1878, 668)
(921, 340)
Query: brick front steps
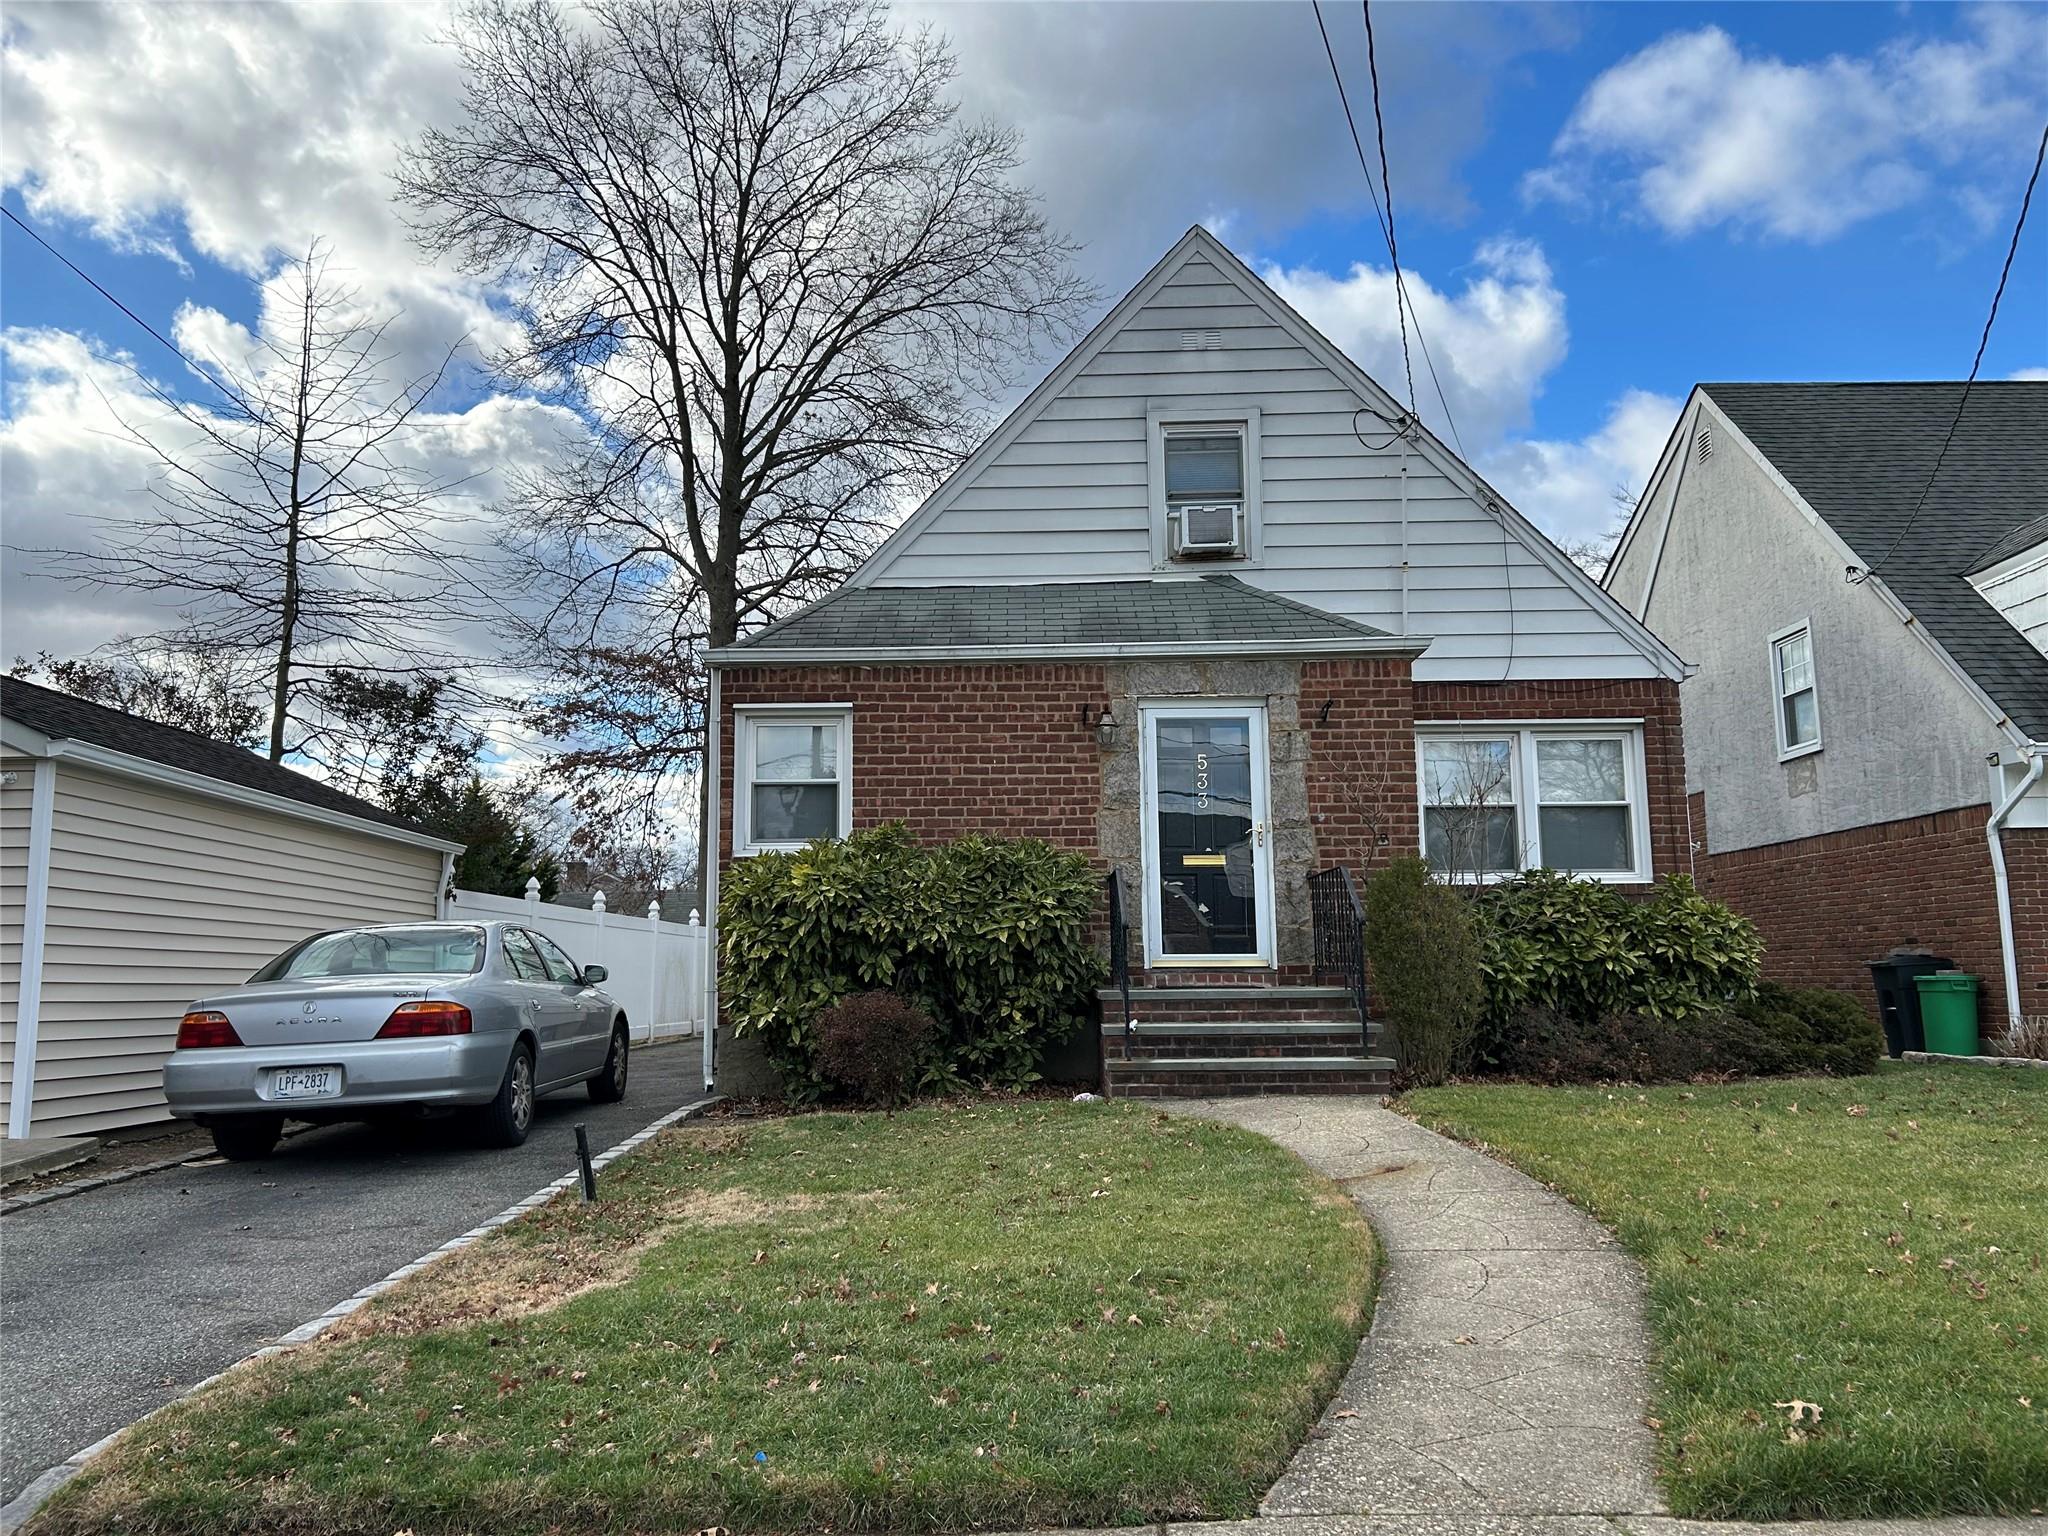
(1215, 1040)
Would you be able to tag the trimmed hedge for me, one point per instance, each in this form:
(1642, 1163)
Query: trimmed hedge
(1781, 1031)
(990, 936)
(1425, 969)
(1583, 950)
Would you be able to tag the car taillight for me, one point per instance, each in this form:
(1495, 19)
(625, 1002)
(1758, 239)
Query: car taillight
(203, 1031)
(409, 1021)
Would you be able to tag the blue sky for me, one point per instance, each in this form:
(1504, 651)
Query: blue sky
(1605, 203)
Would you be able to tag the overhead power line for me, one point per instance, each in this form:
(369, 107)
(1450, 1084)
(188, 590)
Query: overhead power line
(1976, 363)
(1404, 309)
(1379, 125)
(36, 235)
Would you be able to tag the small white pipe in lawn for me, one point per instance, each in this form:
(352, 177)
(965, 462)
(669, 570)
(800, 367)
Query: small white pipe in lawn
(1995, 832)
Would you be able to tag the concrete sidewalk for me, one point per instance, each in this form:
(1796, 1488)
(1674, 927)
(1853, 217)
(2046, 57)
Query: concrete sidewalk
(1507, 1371)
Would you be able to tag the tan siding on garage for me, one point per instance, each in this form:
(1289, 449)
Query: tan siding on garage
(157, 896)
(14, 811)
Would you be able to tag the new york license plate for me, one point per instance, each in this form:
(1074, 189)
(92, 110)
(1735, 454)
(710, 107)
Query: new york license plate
(305, 1082)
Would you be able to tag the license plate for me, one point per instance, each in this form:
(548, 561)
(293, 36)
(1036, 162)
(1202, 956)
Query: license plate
(305, 1082)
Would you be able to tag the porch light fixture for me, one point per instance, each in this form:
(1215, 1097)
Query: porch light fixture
(1106, 727)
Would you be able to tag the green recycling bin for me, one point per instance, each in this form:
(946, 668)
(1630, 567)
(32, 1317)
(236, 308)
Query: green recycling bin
(1948, 1012)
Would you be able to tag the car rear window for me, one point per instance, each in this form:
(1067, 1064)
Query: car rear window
(436, 951)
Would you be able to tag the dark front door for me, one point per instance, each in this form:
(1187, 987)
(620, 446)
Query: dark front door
(1208, 860)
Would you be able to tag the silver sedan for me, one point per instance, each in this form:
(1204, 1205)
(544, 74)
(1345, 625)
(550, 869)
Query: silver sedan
(366, 1022)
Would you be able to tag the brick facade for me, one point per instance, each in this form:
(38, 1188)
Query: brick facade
(1829, 905)
(1010, 748)
(1005, 749)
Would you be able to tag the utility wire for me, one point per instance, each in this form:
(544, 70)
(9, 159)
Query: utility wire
(1983, 341)
(1379, 125)
(1386, 232)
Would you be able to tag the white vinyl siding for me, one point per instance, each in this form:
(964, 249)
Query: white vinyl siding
(2018, 588)
(1067, 500)
(14, 814)
(158, 896)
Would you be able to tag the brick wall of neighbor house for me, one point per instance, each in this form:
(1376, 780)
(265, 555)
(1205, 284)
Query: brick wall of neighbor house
(1000, 749)
(1652, 700)
(1829, 905)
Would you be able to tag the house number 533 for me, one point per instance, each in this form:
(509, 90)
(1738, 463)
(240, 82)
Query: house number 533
(1201, 781)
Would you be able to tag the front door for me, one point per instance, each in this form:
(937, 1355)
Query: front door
(1208, 842)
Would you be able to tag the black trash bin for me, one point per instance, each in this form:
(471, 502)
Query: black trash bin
(1898, 1000)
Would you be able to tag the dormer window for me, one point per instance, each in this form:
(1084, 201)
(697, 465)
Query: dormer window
(1204, 487)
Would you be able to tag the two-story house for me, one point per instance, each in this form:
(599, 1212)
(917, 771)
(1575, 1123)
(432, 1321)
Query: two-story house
(1866, 726)
(1211, 609)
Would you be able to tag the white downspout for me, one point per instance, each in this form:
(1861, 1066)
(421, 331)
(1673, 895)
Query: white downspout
(709, 859)
(35, 908)
(445, 905)
(1994, 830)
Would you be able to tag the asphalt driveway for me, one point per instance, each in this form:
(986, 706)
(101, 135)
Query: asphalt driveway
(115, 1300)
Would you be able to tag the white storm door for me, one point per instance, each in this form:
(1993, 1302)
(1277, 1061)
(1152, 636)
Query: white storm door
(1208, 895)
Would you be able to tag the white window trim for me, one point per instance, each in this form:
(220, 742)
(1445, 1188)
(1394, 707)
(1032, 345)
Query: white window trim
(1240, 416)
(1787, 751)
(745, 718)
(1523, 736)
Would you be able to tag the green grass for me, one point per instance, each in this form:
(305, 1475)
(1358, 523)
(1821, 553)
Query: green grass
(1872, 1246)
(992, 1314)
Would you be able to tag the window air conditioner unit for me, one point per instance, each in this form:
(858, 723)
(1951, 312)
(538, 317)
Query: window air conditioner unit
(1209, 530)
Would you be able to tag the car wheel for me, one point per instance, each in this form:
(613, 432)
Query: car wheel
(246, 1138)
(508, 1117)
(609, 1086)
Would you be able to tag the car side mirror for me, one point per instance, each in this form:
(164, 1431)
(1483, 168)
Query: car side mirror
(594, 975)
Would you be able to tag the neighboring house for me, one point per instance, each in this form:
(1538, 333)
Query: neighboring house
(1201, 610)
(141, 866)
(1856, 744)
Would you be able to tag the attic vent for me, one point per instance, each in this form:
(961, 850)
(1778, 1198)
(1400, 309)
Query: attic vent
(1200, 341)
(1703, 446)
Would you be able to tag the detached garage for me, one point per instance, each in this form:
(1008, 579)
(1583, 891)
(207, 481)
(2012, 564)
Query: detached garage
(141, 866)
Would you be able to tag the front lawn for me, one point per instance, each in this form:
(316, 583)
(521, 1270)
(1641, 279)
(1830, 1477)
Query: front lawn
(992, 1313)
(1845, 1275)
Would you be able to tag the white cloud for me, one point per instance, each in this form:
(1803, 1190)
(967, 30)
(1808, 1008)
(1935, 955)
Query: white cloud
(1574, 489)
(1493, 341)
(1693, 132)
(2036, 374)
(68, 464)
(241, 132)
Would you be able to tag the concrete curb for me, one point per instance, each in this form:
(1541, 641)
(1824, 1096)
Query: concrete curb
(1940, 1059)
(31, 1498)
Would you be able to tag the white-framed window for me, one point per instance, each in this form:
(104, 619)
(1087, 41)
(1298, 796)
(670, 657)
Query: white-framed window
(1795, 695)
(794, 776)
(1499, 798)
(1204, 480)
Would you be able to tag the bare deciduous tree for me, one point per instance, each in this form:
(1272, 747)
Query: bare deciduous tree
(754, 246)
(284, 517)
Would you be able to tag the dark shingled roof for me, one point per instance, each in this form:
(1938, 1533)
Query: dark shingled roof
(2024, 537)
(1107, 613)
(1860, 453)
(72, 719)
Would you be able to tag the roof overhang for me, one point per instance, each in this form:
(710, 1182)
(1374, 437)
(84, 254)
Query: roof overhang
(1400, 646)
(19, 737)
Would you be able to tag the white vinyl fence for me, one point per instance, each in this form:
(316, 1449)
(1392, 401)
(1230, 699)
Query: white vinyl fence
(657, 967)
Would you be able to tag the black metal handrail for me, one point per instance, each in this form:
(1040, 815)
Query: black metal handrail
(1120, 946)
(1338, 922)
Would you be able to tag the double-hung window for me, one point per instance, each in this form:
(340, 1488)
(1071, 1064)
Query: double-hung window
(1497, 799)
(1796, 697)
(795, 771)
(1203, 473)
